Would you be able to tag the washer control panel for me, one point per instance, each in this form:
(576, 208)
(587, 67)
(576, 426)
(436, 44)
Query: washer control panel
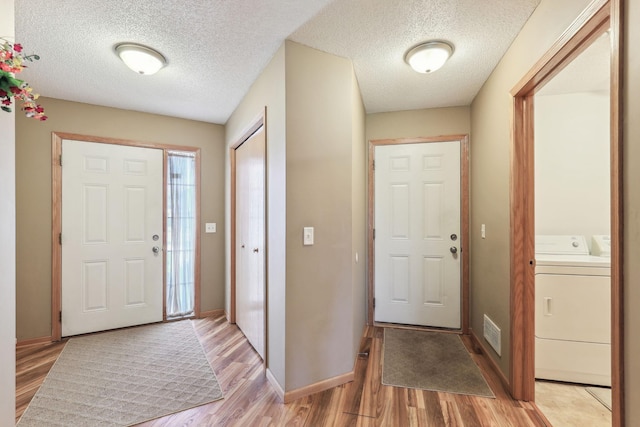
(561, 245)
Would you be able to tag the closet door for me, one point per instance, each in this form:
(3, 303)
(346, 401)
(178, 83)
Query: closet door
(250, 239)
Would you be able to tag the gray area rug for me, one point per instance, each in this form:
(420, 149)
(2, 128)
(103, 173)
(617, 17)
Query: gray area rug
(430, 361)
(125, 377)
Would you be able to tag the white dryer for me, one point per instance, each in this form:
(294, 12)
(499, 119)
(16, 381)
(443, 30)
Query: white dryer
(573, 312)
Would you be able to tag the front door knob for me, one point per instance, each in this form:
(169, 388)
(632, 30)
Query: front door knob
(156, 250)
(453, 249)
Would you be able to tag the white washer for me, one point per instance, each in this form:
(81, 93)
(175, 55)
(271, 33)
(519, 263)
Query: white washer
(573, 312)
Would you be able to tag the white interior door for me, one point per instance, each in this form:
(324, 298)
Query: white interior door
(250, 240)
(111, 213)
(417, 234)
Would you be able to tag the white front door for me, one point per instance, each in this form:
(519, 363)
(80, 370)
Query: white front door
(111, 215)
(417, 234)
(250, 240)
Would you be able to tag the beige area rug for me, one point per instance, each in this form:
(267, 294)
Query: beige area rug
(125, 377)
(431, 361)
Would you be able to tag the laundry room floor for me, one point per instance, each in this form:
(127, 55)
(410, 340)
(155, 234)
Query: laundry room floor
(567, 405)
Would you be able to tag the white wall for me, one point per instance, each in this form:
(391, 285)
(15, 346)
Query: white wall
(8, 246)
(572, 164)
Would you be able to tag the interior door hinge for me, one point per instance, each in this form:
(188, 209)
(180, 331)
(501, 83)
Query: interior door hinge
(60, 316)
(60, 159)
(374, 234)
(60, 238)
(373, 163)
(374, 303)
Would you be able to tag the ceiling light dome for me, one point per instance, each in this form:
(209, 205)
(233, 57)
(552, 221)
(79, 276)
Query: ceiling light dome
(429, 57)
(141, 59)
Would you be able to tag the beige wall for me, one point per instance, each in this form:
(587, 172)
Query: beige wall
(319, 194)
(33, 183)
(315, 164)
(268, 90)
(490, 121)
(358, 213)
(7, 248)
(631, 176)
(490, 162)
(419, 123)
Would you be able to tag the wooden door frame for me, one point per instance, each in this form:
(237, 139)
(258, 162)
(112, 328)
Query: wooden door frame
(599, 16)
(464, 218)
(56, 218)
(259, 121)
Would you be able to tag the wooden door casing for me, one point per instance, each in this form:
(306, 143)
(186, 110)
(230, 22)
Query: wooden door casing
(417, 211)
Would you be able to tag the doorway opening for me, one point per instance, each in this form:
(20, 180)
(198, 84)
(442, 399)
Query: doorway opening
(154, 246)
(572, 226)
(454, 243)
(600, 17)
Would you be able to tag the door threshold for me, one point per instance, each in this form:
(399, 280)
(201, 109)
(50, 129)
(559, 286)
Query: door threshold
(418, 327)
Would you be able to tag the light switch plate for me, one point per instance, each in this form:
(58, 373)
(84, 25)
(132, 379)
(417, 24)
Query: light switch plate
(307, 233)
(210, 227)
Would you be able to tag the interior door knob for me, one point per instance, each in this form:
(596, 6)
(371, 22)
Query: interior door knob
(453, 249)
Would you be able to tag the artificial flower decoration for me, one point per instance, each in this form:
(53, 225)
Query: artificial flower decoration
(11, 63)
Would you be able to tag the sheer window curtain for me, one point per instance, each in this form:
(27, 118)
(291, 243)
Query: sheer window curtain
(181, 205)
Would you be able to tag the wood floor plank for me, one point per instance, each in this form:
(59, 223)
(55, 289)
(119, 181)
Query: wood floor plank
(352, 396)
(433, 408)
(249, 399)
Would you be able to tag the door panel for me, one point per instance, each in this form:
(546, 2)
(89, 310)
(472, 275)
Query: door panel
(250, 240)
(417, 210)
(111, 208)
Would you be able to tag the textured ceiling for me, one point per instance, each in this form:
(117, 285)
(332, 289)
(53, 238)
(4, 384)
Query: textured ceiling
(376, 34)
(217, 48)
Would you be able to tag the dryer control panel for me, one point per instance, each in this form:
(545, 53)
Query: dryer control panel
(601, 245)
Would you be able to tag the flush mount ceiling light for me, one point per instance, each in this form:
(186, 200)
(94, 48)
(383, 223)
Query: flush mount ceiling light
(141, 59)
(428, 57)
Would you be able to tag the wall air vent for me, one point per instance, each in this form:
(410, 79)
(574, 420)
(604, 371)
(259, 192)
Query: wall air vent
(492, 334)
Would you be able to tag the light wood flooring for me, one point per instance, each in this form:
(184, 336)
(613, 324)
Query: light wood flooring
(249, 399)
